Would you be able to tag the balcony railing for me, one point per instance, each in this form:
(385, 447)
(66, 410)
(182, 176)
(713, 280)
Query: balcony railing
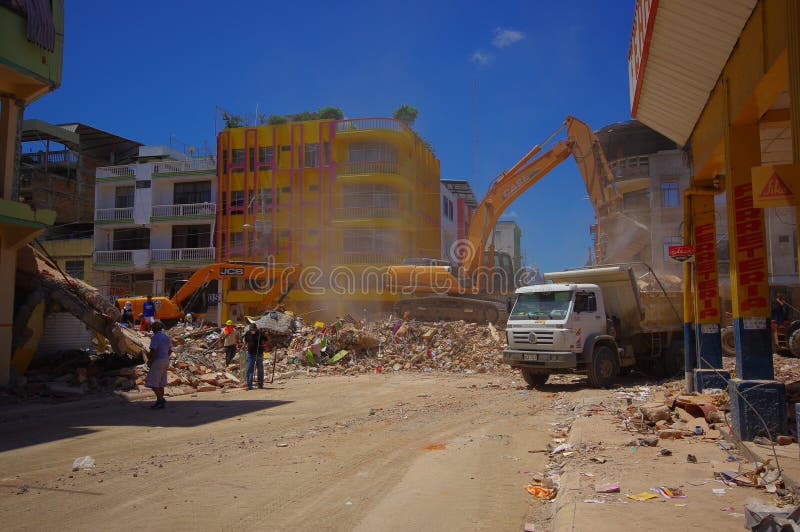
(118, 257)
(193, 165)
(367, 212)
(357, 257)
(183, 255)
(367, 167)
(53, 157)
(185, 210)
(361, 124)
(115, 173)
(124, 214)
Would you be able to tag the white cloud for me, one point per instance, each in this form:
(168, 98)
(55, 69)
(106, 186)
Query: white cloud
(511, 214)
(481, 58)
(506, 37)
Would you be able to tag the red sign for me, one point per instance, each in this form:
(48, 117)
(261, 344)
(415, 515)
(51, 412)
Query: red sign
(643, 18)
(680, 252)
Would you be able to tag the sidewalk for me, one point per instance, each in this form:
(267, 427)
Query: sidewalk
(599, 434)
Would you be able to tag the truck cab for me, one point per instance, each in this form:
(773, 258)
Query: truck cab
(556, 328)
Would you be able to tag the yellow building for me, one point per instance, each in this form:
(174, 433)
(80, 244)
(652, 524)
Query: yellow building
(72, 255)
(344, 196)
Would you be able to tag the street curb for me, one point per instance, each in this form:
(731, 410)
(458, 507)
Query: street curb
(566, 506)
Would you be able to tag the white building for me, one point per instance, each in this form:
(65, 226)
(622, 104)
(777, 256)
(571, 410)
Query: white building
(508, 239)
(154, 221)
(449, 225)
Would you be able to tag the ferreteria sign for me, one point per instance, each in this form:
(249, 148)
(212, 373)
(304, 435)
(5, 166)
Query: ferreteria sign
(750, 267)
(706, 281)
(776, 185)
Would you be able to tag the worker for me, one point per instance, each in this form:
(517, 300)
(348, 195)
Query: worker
(188, 319)
(127, 314)
(158, 362)
(143, 325)
(780, 314)
(149, 310)
(254, 341)
(230, 340)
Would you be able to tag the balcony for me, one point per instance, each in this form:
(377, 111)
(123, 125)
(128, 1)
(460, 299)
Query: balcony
(367, 258)
(123, 215)
(363, 124)
(183, 211)
(105, 174)
(367, 167)
(183, 256)
(124, 258)
(188, 167)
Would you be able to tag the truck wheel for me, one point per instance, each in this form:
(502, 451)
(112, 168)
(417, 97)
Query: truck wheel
(672, 360)
(728, 342)
(794, 343)
(534, 380)
(604, 367)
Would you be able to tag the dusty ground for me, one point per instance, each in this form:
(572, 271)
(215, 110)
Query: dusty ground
(437, 453)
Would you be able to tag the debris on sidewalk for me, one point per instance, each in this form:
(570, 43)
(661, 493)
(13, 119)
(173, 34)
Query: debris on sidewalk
(540, 492)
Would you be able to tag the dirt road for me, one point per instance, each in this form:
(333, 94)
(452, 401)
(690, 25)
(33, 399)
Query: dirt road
(386, 452)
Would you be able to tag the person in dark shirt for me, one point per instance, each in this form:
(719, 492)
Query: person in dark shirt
(254, 341)
(127, 314)
(149, 310)
(780, 309)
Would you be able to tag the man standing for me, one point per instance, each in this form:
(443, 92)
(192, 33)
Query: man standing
(780, 314)
(253, 339)
(149, 310)
(230, 340)
(158, 362)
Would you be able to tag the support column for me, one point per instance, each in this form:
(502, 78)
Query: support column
(8, 270)
(689, 354)
(705, 290)
(793, 58)
(10, 114)
(758, 403)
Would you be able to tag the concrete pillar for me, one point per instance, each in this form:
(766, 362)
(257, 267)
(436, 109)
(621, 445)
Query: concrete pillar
(8, 269)
(159, 277)
(758, 403)
(705, 291)
(10, 113)
(689, 354)
(793, 56)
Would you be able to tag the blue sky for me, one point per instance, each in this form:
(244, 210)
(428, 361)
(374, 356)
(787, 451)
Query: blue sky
(155, 71)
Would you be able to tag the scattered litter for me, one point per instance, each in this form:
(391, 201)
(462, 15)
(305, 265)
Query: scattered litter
(594, 501)
(643, 496)
(691, 459)
(282, 444)
(665, 452)
(611, 487)
(718, 491)
(540, 492)
(669, 493)
(561, 448)
(83, 462)
(598, 459)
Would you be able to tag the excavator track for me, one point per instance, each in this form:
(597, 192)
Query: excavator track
(451, 309)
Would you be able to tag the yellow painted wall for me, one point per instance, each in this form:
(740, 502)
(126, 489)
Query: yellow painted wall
(72, 249)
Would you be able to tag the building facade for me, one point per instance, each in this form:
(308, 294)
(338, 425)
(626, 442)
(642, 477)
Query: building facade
(154, 221)
(508, 239)
(339, 195)
(449, 225)
(465, 205)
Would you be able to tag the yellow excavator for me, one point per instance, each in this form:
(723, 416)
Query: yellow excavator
(481, 287)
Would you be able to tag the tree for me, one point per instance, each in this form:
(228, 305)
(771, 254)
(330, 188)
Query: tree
(274, 120)
(406, 113)
(232, 121)
(330, 113)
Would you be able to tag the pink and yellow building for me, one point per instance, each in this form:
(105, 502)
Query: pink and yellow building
(342, 196)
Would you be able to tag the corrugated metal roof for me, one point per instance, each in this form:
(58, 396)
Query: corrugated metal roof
(689, 46)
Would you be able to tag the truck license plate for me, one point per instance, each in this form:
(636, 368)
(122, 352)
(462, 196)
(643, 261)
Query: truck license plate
(530, 357)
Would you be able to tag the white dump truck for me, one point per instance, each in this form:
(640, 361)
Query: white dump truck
(596, 321)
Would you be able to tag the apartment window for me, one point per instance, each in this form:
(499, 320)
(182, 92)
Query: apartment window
(369, 240)
(265, 154)
(371, 152)
(370, 196)
(326, 153)
(191, 236)
(671, 241)
(237, 199)
(311, 157)
(669, 194)
(123, 197)
(74, 268)
(237, 156)
(224, 161)
(134, 238)
(447, 208)
(237, 240)
(193, 192)
(783, 239)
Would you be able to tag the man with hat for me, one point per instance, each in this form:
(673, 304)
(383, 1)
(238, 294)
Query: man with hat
(254, 340)
(230, 340)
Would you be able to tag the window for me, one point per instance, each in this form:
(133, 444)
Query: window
(447, 208)
(74, 268)
(671, 241)
(191, 236)
(585, 302)
(370, 196)
(372, 152)
(237, 156)
(135, 238)
(193, 192)
(265, 154)
(311, 158)
(369, 240)
(669, 194)
(123, 197)
(237, 240)
(783, 239)
(326, 153)
(237, 199)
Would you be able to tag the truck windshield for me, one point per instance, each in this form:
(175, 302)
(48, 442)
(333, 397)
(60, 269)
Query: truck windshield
(542, 306)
